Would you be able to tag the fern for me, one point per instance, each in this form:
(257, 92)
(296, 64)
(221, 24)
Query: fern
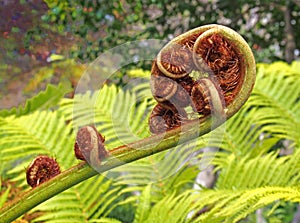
(26, 136)
(171, 209)
(144, 205)
(167, 172)
(272, 111)
(118, 115)
(86, 202)
(250, 176)
(246, 166)
(233, 205)
(268, 170)
(228, 206)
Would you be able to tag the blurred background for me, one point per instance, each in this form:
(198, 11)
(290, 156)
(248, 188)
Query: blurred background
(52, 41)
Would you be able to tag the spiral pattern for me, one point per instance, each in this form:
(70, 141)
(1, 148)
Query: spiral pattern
(213, 53)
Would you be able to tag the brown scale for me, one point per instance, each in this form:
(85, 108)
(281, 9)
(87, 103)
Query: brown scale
(201, 99)
(190, 41)
(177, 60)
(223, 60)
(84, 144)
(182, 96)
(187, 83)
(162, 87)
(229, 79)
(163, 118)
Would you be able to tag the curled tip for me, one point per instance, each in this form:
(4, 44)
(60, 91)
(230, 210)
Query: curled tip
(41, 169)
(213, 67)
(89, 145)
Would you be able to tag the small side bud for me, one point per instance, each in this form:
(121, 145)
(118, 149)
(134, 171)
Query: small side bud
(89, 145)
(41, 169)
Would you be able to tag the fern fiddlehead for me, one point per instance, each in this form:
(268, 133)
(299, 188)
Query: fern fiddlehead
(89, 145)
(196, 69)
(41, 169)
(207, 68)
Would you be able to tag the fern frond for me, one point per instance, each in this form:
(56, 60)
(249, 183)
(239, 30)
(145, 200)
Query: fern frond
(268, 170)
(118, 114)
(171, 209)
(26, 136)
(231, 206)
(44, 100)
(86, 202)
(167, 172)
(279, 91)
(216, 206)
(143, 208)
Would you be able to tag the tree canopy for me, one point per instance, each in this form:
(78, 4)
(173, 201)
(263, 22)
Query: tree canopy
(95, 26)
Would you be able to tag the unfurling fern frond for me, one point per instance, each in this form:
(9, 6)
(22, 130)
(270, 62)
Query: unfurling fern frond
(270, 114)
(249, 175)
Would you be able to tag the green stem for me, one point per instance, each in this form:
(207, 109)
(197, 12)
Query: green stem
(118, 156)
(151, 145)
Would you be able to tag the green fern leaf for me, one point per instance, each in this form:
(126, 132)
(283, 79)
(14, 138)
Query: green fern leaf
(118, 114)
(142, 211)
(228, 206)
(25, 137)
(44, 100)
(104, 220)
(267, 170)
(171, 209)
(168, 172)
(90, 201)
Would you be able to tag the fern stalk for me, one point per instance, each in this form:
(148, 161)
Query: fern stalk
(118, 156)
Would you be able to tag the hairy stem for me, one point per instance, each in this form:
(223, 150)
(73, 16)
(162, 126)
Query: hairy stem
(118, 156)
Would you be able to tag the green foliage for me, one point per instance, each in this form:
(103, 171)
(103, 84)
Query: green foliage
(217, 205)
(118, 114)
(90, 200)
(103, 25)
(252, 172)
(45, 99)
(259, 171)
(22, 138)
(4, 195)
